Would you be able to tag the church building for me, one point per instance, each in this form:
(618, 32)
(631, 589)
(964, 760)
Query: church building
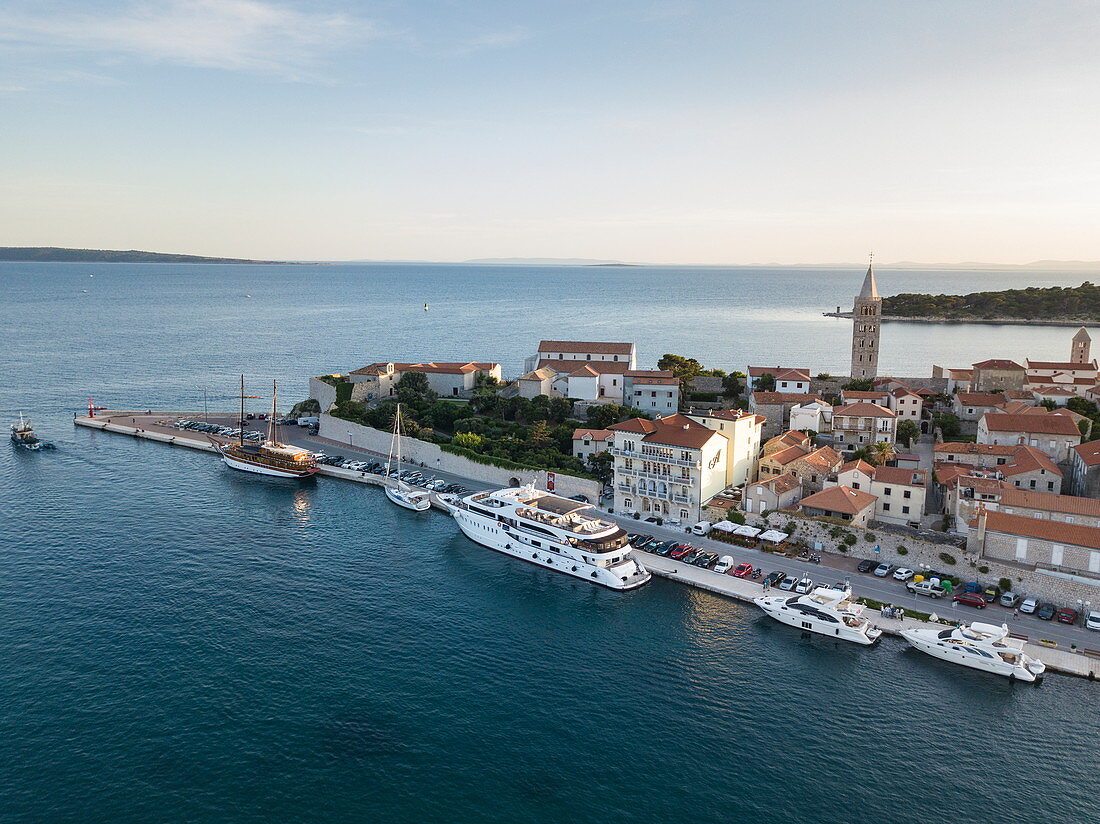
(866, 319)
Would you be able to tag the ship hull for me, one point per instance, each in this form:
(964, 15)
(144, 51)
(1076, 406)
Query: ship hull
(773, 606)
(263, 469)
(957, 655)
(489, 534)
(416, 505)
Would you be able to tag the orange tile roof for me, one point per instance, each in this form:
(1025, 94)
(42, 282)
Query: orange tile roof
(594, 434)
(1046, 530)
(964, 448)
(900, 475)
(840, 499)
(779, 483)
(862, 409)
(790, 437)
(585, 371)
(586, 347)
(981, 399)
(1064, 366)
(786, 456)
(1089, 453)
(858, 465)
(1050, 502)
(824, 458)
(999, 363)
(675, 430)
(1034, 424)
(600, 367)
(757, 371)
(860, 395)
(1029, 459)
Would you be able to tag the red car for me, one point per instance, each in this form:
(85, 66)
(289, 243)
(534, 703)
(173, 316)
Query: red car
(681, 551)
(1067, 615)
(742, 571)
(970, 599)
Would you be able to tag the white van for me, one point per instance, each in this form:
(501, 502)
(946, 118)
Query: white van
(312, 420)
(702, 528)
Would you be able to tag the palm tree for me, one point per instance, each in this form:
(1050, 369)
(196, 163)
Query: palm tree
(882, 452)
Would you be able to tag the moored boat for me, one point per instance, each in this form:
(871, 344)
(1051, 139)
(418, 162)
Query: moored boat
(985, 647)
(22, 434)
(397, 490)
(271, 457)
(553, 532)
(826, 611)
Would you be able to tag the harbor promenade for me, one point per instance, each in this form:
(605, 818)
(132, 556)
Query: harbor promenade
(157, 426)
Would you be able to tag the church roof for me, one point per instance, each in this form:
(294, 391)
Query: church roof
(870, 286)
(1082, 334)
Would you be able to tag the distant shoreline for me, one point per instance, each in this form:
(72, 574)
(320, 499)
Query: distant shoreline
(987, 321)
(58, 254)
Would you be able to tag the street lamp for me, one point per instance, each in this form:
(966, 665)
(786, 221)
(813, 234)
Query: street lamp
(351, 441)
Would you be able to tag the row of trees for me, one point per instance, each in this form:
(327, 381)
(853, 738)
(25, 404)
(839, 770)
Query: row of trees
(688, 369)
(1077, 303)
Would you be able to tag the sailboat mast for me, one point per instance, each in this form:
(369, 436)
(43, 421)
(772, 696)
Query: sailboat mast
(272, 427)
(240, 423)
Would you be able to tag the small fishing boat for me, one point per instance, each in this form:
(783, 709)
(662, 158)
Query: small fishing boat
(22, 435)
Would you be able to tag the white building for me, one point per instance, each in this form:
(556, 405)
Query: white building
(651, 390)
(450, 380)
(862, 424)
(900, 493)
(816, 416)
(576, 361)
(667, 468)
(786, 378)
(589, 442)
(743, 431)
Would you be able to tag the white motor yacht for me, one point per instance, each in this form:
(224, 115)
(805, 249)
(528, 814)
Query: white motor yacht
(826, 611)
(979, 646)
(553, 532)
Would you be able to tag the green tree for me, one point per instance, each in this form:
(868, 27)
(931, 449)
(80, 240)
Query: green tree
(604, 415)
(859, 385)
(468, 440)
(733, 384)
(559, 409)
(735, 516)
(882, 452)
(764, 383)
(908, 432)
(601, 464)
(948, 424)
(539, 435)
(1047, 403)
(414, 391)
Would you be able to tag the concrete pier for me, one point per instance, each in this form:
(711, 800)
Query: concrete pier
(157, 426)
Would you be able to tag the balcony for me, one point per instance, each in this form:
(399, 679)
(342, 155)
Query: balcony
(680, 499)
(622, 453)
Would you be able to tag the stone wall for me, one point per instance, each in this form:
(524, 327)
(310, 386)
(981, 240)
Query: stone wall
(323, 393)
(434, 458)
(810, 531)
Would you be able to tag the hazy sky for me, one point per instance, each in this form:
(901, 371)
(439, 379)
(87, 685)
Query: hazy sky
(666, 131)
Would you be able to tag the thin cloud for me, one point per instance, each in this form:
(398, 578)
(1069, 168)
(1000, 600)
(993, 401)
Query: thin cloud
(502, 39)
(239, 35)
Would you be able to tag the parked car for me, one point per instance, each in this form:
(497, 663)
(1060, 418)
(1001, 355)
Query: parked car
(743, 571)
(1067, 615)
(702, 528)
(865, 566)
(903, 574)
(1009, 599)
(804, 586)
(970, 599)
(1029, 605)
(666, 549)
(926, 588)
(692, 556)
(773, 579)
(882, 570)
(725, 564)
(1045, 612)
(788, 583)
(973, 587)
(707, 560)
(1092, 621)
(991, 594)
(680, 550)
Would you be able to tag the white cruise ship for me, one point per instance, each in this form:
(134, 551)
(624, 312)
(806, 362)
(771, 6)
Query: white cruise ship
(826, 611)
(552, 532)
(984, 647)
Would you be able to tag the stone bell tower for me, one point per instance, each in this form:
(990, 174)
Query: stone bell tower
(866, 317)
(1082, 343)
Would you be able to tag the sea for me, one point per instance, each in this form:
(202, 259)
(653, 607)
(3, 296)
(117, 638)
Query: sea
(182, 643)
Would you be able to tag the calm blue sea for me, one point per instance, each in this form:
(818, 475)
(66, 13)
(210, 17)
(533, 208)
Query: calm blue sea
(179, 643)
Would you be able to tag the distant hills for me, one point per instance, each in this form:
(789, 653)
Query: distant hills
(1077, 304)
(57, 254)
(547, 262)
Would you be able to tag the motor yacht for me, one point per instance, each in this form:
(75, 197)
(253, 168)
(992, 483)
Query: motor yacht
(552, 532)
(826, 611)
(985, 647)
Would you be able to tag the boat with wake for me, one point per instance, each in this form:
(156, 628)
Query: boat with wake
(985, 647)
(826, 611)
(552, 532)
(22, 435)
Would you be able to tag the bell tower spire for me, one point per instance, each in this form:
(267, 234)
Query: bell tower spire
(866, 317)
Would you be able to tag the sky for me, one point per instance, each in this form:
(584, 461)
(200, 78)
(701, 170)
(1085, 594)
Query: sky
(658, 131)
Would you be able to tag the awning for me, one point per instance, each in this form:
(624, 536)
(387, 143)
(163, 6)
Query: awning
(725, 526)
(774, 536)
(747, 531)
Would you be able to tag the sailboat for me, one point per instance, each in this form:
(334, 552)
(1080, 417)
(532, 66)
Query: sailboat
(396, 489)
(272, 457)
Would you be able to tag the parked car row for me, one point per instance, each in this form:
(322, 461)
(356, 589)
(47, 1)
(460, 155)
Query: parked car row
(409, 476)
(215, 429)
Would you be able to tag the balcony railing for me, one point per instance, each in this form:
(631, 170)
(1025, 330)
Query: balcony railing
(622, 453)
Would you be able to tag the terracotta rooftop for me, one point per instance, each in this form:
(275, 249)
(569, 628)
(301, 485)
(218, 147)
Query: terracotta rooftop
(652, 377)
(600, 367)
(899, 475)
(1046, 530)
(1062, 366)
(585, 347)
(981, 398)
(780, 483)
(999, 363)
(585, 371)
(1089, 453)
(431, 366)
(675, 430)
(783, 397)
(792, 375)
(861, 395)
(786, 456)
(859, 466)
(593, 434)
(863, 409)
(1034, 424)
(1049, 502)
(538, 374)
(757, 371)
(840, 499)
(790, 437)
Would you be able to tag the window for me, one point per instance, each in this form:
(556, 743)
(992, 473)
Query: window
(887, 490)
(904, 510)
(907, 494)
(886, 507)
(855, 484)
(1050, 486)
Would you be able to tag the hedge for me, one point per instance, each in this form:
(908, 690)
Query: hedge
(504, 463)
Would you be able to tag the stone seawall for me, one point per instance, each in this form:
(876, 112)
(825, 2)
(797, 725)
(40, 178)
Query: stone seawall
(375, 440)
(817, 534)
(323, 393)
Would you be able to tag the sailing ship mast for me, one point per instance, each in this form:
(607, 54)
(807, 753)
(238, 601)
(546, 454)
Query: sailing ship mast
(240, 423)
(272, 427)
(395, 443)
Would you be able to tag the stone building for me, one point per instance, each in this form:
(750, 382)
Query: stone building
(1079, 351)
(1023, 466)
(1036, 542)
(589, 442)
(1086, 469)
(997, 373)
(775, 408)
(866, 322)
(1053, 434)
(811, 466)
(862, 423)
(899, 493)
(777, 492)
(841, 502)
(378, 381)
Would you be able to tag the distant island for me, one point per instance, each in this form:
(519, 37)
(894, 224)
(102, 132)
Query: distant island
(57, 254)
(546, 262)
(1055, 306)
